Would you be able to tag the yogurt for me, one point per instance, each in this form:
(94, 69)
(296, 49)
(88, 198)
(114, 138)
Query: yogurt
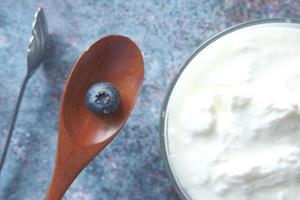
(233, 117)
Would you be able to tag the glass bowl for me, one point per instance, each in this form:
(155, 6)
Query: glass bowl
(164, 111)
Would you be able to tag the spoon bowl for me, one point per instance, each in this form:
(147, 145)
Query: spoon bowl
(113, 59)
(83, 134)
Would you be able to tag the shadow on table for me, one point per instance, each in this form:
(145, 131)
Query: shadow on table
(58, 61)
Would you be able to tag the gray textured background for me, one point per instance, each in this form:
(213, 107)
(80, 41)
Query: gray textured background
(166, 31)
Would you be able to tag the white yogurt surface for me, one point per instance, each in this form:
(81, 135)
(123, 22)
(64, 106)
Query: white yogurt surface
(234, 117)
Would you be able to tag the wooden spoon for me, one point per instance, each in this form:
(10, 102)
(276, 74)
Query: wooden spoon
(83, 134)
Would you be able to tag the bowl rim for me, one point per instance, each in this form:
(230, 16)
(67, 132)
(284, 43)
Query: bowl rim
(164, 118)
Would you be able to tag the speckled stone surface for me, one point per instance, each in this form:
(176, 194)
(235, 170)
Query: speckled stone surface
(130, 168)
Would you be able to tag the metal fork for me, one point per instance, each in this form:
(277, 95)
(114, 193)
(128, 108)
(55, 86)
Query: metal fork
(35, 55)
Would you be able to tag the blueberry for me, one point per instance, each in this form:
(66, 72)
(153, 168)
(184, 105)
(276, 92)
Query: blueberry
(102, 98)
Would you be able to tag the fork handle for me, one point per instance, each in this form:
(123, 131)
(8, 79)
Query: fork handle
(14, 119)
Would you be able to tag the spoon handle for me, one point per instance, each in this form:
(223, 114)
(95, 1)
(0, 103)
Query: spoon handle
(70, 160)
(14, 119)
